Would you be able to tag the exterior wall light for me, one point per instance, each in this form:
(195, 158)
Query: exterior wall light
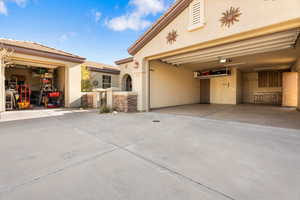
(223, 60)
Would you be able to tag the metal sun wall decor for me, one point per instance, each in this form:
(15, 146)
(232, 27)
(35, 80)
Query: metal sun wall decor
(172, 37)
(230, 17)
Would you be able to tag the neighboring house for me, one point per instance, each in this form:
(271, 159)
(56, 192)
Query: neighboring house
(221, 52)
(27, 62)
(101, 75)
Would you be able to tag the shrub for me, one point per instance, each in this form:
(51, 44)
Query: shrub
(104, 109)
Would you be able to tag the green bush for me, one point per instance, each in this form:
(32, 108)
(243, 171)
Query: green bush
(104, 109)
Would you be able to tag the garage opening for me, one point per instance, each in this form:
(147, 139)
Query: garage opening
(30, 87)
(260, 70)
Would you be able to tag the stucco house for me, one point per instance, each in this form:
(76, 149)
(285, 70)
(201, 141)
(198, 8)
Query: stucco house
(101, 76)
(219, 52)
(30, 71)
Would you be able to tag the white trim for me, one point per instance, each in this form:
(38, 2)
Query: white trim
(268, 43)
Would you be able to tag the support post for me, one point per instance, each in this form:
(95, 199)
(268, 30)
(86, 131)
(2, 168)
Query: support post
(109, 97)
(2, 86)
(298, 71)
(298, 107)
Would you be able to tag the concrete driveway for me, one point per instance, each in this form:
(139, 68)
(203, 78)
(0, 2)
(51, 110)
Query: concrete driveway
(87, 156)
(276, 116)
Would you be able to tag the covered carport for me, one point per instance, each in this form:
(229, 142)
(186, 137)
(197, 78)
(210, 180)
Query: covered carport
(256, 81)
(258, 71)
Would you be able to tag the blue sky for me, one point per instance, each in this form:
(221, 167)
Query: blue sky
(100, 30)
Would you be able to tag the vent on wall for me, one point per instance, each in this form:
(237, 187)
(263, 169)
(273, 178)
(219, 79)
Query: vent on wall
(196, 14)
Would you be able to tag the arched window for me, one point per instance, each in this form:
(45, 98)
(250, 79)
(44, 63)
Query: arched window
(127, 82)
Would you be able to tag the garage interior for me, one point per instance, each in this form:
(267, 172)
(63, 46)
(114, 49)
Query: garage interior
(33, 87)
(257, 71)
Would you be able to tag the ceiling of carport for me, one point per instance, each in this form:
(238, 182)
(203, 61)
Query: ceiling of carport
(273, 49)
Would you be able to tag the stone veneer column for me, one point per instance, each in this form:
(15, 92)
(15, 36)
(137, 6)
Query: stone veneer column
(125, 101)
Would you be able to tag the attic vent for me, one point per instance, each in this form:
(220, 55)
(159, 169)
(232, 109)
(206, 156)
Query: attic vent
(196, 19)
(196, 14)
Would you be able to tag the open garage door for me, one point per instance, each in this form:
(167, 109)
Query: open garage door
(29, 86)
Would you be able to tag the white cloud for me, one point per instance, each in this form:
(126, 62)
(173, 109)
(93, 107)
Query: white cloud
(131, 21)
(3, 7)
(67, 36)
(137, 18)
(97, 16)
(146, 7)
(20, 2)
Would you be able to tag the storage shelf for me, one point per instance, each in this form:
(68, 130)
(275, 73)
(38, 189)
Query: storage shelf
(212, 76)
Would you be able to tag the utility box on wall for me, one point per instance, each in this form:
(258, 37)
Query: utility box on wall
(290, 89)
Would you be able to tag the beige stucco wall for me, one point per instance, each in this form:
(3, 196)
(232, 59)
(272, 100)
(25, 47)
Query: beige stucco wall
(298, 107)
(250, 87)
(171, 86)
(2, 88)
(272, 12)
(130, 69)
(73, 85)
(223, 90)
(139, 77)
(298, 70)
(213, 30)
(290, 89)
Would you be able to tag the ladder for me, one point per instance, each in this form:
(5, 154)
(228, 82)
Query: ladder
(10, 100)
(45, 88)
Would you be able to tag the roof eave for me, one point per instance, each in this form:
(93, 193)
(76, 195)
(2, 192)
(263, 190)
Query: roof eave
(123, 61)
(45, 54)
(104, 70)
(159, 25)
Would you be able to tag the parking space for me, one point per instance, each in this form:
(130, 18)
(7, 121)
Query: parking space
(275, 116)
(84, 155)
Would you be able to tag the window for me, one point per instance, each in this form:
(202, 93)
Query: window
(196, 19)
(269, 79)
(106, 81)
